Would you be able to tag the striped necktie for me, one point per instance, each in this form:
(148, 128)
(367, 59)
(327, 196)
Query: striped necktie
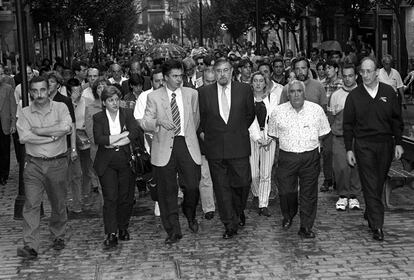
(175, 114)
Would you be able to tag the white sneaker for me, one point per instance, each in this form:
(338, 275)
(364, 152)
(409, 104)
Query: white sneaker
(354, 204)
(157, 210)
(341, 204)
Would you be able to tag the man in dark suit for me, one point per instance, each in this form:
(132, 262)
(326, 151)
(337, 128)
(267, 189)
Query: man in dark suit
(135, 68)
(7, 127)
(226, 112)
(172, 115)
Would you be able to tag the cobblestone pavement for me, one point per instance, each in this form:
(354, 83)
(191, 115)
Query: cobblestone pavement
(343, 247)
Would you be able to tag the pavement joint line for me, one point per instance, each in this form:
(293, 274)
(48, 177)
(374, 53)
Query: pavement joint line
(98, 274)
(177, 269)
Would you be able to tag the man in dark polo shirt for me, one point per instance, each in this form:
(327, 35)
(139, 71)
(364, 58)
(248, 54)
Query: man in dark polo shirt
(373, 123)
(43, 127)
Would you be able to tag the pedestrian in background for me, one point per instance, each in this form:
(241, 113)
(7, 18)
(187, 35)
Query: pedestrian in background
(373, 124)
(43, 127)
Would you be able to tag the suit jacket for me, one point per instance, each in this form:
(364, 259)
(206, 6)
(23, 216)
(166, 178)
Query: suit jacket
(8, 108)
(158, 107)
(231, 140)
(125, 86)
(101, 137)
(198, 81)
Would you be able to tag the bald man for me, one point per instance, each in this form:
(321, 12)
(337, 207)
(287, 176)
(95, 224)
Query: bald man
(117, 74)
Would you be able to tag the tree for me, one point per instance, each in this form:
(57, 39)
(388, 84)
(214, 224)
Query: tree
(192, 22)
(163, 31)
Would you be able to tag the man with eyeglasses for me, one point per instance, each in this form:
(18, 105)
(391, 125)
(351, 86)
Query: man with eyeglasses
(226, 113)
(374, 126)
(200, 63)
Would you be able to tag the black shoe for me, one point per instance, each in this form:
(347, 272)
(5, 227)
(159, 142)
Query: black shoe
(111, 241)
(306, 233)
(286, 223)
(378, 234)
(173, 238)
(3, 181)
(193, 225)
(58, 244)
(229, 234)
(242, 219)
(123, 235)
(264, 211)
(255, 201)
(27, 252)
(209, 215)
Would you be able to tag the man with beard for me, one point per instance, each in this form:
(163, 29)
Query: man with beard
(298, 125)
(43, 127)
(226, 113)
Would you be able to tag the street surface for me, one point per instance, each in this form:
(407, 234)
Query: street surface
(343, 247)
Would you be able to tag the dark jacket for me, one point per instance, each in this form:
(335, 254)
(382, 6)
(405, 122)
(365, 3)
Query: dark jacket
(101, 135)
(231, 140)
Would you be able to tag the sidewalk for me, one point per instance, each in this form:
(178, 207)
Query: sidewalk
(343, 247)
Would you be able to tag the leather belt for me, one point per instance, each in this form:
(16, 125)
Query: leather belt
(63, 155)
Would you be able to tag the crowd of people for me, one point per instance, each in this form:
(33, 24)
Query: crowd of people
(219, 127)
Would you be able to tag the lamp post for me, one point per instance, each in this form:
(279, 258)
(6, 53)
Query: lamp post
(182, 28)
(21, 35)
(257, 27)
(200, 3)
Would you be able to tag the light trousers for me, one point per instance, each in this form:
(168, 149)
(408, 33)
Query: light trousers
(261, 162)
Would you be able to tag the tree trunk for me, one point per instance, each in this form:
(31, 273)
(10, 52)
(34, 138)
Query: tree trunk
(403, 43)
(95, 53)
(282, 47)
(295, 39)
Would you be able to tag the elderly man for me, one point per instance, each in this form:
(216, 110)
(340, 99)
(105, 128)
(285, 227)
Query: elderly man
(298, 125)
(7, 126)
(43, 127)
(390, 76)
(373, 124)
(117, 74)
(192, 78)
(93, 75)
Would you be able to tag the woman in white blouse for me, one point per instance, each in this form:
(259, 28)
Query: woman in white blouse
(262, 146)
(114, 129)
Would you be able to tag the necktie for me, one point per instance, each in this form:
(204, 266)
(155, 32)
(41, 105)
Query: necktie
(191, 81)
(224, 105)
(175, 114)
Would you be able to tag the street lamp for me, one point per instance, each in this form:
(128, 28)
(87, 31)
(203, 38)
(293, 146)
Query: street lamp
(182, 28)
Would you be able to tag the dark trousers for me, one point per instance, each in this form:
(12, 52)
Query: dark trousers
(4, 155)
(182, 164)
(231, 183)
(302, 168)
(118, 193)
(373, 160)
(327, 159)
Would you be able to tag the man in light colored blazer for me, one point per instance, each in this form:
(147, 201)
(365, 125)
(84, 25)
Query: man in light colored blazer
(7, 126)
(172, 115)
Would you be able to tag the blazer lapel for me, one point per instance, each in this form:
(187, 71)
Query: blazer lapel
(122, 119)
(233, 96)
(187, 106)
(214, 99)
(105, 123)
(166, 104)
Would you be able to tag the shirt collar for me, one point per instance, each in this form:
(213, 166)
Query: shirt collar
(375, 89)
(34, 108)
(109, 116)
(169, 92)
(220, 87)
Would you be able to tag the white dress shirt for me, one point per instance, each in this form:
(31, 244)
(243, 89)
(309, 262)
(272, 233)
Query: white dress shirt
(141, 104)
(114, 125)
(372, 92)
(393, 79)
(228, 96)
(298, 132)
(180, 104)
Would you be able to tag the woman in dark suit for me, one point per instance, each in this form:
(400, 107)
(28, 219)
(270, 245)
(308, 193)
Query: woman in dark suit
(114, 128)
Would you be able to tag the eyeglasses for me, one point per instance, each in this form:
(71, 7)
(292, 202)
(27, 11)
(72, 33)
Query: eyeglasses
(200, 63)
(225, 71)
(366, 71)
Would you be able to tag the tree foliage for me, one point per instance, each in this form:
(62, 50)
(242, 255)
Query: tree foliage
(192, 22)
(163, 31)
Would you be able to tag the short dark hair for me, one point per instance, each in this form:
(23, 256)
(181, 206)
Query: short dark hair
(316, 50)
(110, 91)
(77, 66)
(349, 66)
(170, 64)
(54, 75)
(155, 71)
(277, 59)
(38, 79)
(136, 80)
(332, 63)
(209, 60)
(72, 83)
(266, 64)
(243, 62)
(299, 59)
(322, 63)
(100, 80)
